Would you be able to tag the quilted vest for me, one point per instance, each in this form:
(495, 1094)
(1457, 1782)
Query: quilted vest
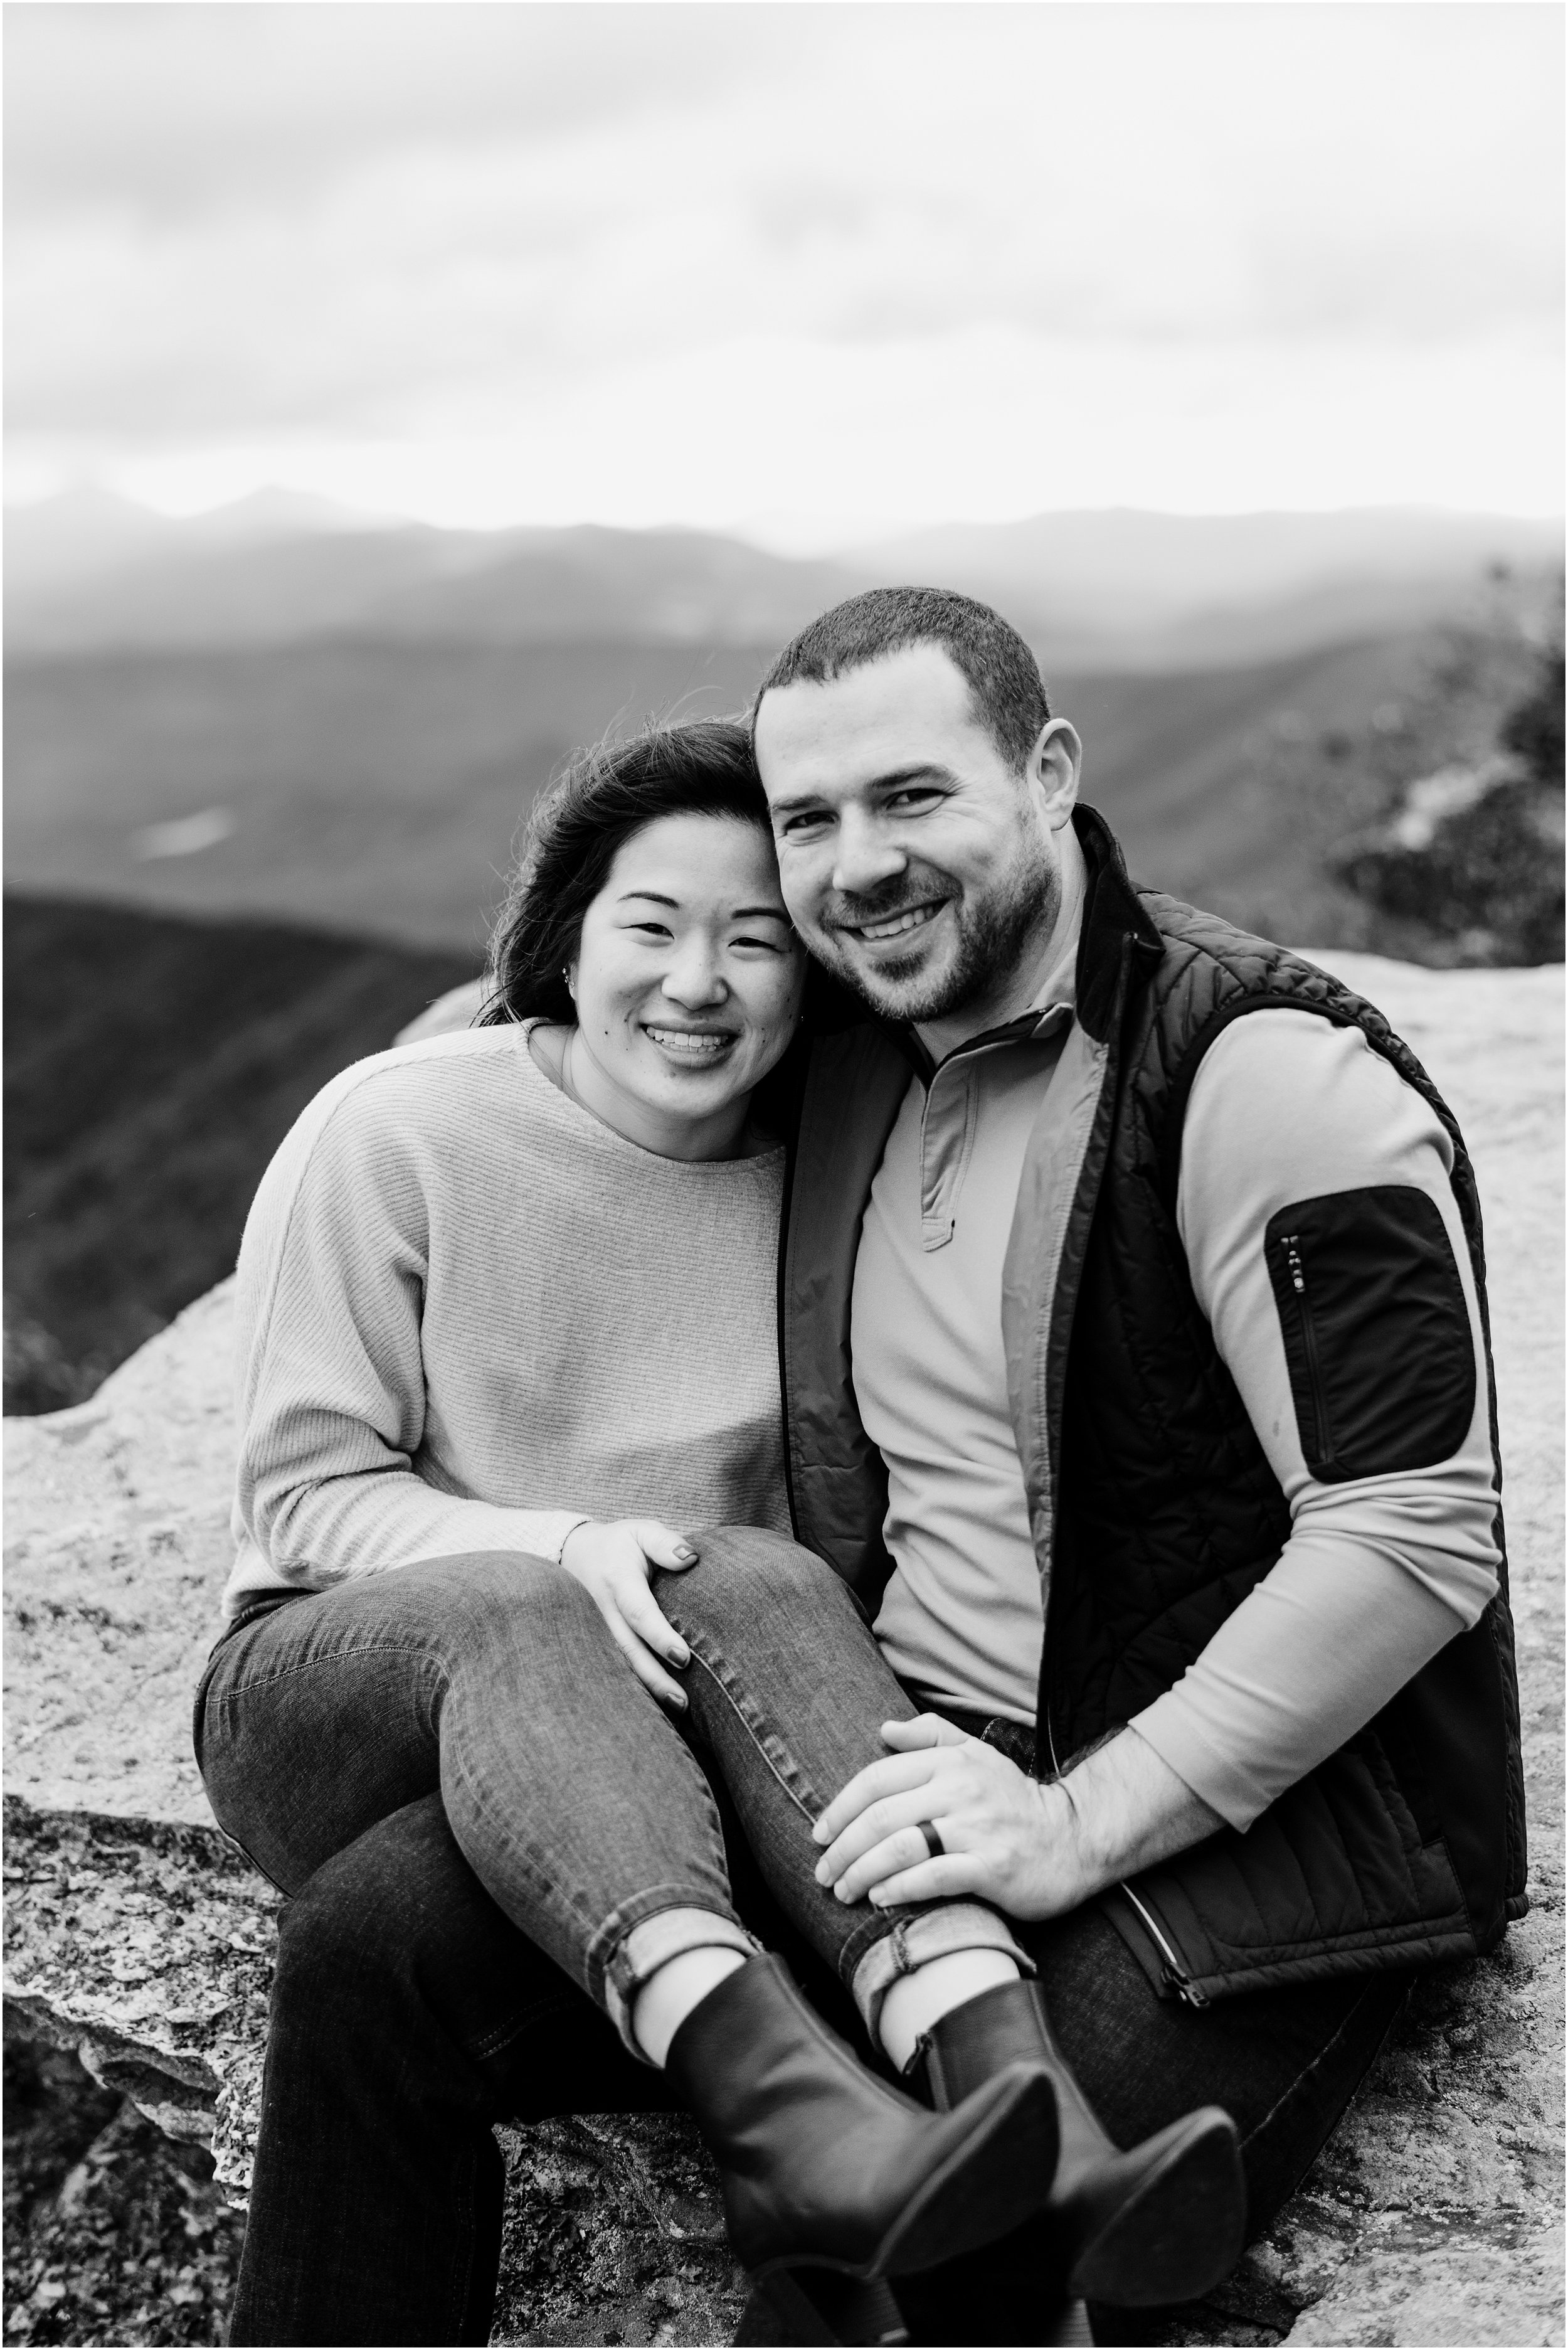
(1406, 1847)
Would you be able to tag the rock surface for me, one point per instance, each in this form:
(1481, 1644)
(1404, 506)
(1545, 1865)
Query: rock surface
(138, 1937)
(114, 2233)
(117, 1549)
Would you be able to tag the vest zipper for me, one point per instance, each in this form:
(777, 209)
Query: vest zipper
(1176, 1974)
(1291, 1243)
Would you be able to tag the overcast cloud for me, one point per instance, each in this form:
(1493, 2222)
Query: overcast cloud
(805, 268)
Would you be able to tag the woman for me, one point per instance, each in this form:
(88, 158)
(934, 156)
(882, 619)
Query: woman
(506, 1335)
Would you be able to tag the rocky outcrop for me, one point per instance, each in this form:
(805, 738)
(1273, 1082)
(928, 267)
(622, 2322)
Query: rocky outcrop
(139, 1938)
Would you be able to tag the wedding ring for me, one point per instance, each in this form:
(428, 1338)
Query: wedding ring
(933, 1836)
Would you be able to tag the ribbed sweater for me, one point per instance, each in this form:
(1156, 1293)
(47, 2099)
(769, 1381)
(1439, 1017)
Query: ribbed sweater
(470, 1316)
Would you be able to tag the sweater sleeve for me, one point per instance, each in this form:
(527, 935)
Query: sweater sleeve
(330, 1385)
(1325, 1248)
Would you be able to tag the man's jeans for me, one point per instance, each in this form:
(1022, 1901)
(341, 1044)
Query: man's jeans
(452, 1773)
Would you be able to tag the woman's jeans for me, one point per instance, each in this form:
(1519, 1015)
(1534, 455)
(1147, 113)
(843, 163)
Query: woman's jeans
(577, 1800)
(411, 2012)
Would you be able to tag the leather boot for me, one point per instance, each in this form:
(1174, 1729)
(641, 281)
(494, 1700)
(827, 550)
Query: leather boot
(1161, 2224)
(823, 2165)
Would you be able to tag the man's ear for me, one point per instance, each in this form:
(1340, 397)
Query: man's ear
(1052, 770)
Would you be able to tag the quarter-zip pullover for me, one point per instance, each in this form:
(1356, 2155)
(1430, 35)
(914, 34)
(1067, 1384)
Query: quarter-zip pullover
(961, 1618)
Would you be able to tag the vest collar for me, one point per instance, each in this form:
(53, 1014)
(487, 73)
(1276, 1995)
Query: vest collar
(1113, 917)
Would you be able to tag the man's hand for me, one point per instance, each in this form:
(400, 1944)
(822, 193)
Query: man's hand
(612, 1562)
(1033, 1850)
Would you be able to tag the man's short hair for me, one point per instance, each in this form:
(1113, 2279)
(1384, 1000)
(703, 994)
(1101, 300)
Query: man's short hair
(1002, 674)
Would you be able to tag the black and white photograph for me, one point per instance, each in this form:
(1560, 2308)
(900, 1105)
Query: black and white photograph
(784, 1284)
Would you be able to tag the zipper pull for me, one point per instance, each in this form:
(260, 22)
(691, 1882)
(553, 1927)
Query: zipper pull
(1174, 1976)
(1184, 1988)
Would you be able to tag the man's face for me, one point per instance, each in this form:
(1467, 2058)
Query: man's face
(917, 863)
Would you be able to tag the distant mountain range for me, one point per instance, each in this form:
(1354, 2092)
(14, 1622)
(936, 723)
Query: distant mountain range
(89, 574)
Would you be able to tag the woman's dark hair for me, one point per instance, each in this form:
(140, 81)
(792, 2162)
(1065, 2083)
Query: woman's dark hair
(577, 827)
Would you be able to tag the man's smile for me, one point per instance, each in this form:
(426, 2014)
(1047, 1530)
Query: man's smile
(910, 920)
(899, 924)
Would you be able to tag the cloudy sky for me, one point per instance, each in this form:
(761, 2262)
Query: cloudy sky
(807, 270)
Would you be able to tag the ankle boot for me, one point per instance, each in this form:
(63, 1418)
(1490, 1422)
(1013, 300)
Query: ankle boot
(1161, 2224)
(825, 2165)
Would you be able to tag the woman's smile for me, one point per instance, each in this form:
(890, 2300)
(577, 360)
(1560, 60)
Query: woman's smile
(693, 1046)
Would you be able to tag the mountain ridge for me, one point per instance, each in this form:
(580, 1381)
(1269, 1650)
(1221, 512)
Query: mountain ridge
(1116, 589)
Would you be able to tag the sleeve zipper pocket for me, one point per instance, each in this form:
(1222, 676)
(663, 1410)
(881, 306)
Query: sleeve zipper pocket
(1381, 1355)
(1295, 1273)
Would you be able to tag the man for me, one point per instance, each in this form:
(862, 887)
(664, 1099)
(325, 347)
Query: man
(1137, 1379)
(1135, 1382)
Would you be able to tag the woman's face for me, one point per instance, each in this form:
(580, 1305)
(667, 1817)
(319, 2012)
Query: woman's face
(687, 982)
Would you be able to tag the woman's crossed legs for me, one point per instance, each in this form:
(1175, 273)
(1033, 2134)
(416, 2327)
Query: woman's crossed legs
(489, 1686)
(578, 1802)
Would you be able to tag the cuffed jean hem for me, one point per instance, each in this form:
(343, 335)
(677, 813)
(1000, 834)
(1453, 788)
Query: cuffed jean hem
(682, 1922)
(929, 1934)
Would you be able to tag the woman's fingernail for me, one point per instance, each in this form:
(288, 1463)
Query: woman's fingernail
(679, 1702)
(821, 1872)
(685, 1551)
(680, 1656)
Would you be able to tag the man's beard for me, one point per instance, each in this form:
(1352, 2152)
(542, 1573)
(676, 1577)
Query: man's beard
(991, 934)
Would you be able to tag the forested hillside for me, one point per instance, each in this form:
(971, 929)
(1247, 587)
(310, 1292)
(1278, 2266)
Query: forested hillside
(379, 788)
(153, 1067)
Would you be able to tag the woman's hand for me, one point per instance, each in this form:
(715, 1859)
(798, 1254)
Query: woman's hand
(612, 1562)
